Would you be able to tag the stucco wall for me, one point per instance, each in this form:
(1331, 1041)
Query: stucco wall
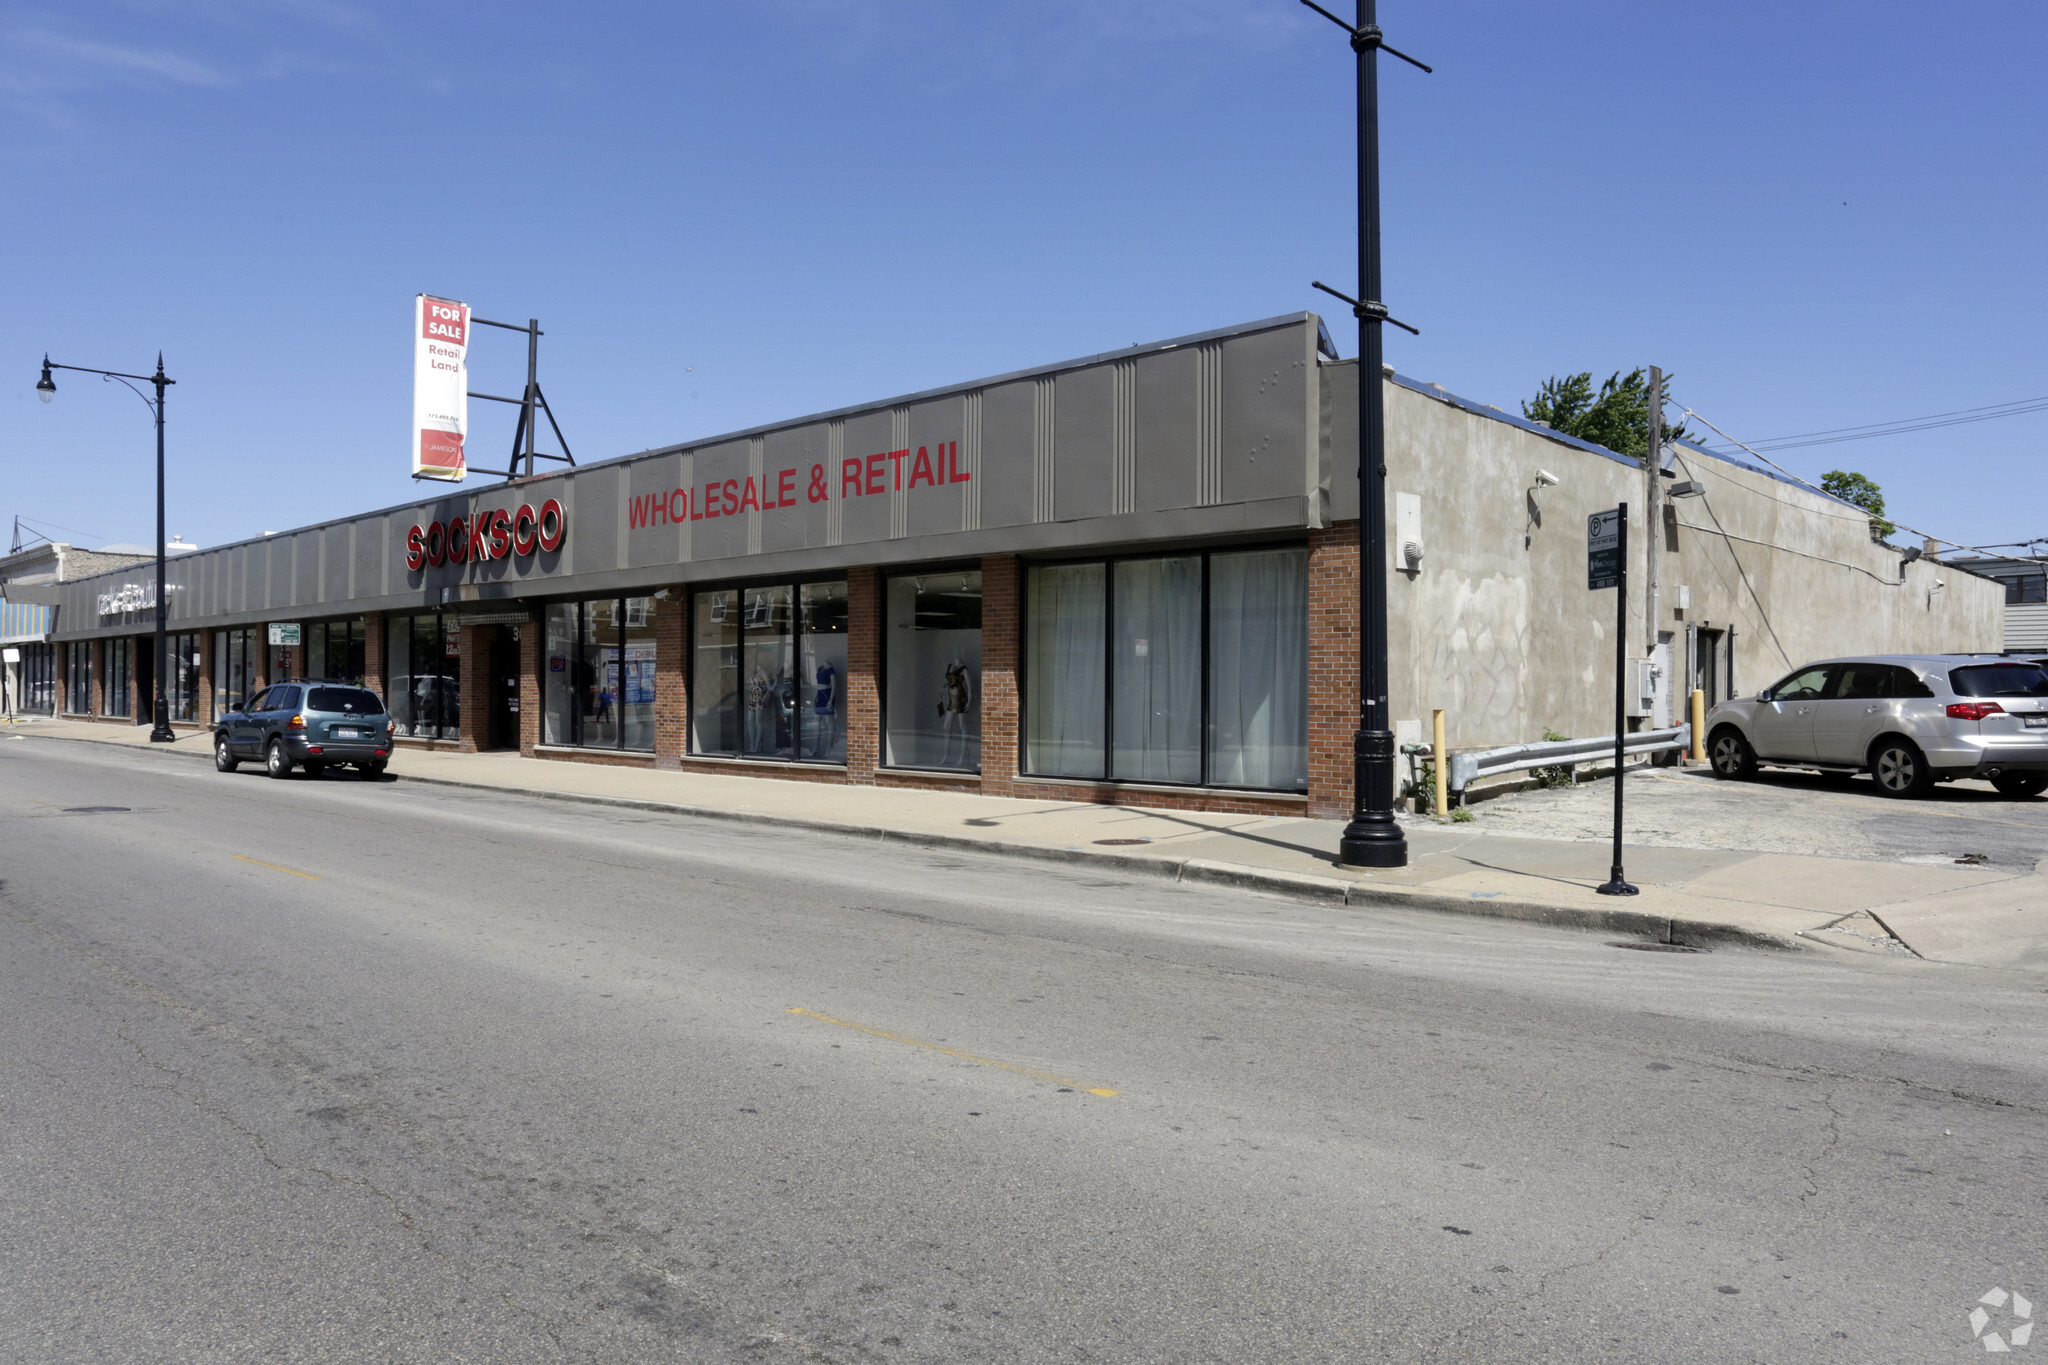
(1497, 627)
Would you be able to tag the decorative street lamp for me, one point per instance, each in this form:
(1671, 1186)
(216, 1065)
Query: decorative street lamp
(46, 389)
(1373, 838)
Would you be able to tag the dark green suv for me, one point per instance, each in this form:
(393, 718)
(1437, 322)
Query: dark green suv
(308, 723)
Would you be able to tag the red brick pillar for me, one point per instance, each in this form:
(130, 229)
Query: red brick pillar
(671, 678)
(532, 639)
(98, 703)
(1332, 667)
(473, 681)
(863, 674)
(373, 652)
(203, 709)
(1001, 621)
(61, 685)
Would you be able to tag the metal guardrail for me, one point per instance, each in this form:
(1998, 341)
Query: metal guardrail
(1468, 768)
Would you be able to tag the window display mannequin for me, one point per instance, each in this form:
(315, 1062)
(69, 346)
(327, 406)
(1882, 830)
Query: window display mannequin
(955, 700)
(825, 711)
(757, 704)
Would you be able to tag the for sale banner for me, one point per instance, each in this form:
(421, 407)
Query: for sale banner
(440, 388)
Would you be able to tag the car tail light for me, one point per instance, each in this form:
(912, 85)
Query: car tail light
(313, 749)
(1973, 710)
(381, 753)
(296, 723)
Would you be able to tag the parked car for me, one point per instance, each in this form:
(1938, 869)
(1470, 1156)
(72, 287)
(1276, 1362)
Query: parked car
(1909, 720)
(309, 723)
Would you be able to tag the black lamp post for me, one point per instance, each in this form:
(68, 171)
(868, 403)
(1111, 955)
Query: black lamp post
(46, 389)
(1374, 837)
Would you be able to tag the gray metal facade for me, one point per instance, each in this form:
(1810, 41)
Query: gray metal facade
(1212, 435)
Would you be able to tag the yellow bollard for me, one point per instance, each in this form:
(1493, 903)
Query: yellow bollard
(1699, 726)
(1443, 766)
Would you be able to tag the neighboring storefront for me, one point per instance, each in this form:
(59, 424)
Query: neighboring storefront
(1132, 577)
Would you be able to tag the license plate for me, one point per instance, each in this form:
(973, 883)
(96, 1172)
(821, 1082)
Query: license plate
(2035, 722)
(347, 732)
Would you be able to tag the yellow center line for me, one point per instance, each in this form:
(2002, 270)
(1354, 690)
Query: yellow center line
(953, 1052)
(275, 868)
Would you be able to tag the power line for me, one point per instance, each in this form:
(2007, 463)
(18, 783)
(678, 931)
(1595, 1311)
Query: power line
(1962, 416)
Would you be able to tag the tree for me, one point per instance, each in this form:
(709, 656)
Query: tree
(1618, 417)
(1854, 488)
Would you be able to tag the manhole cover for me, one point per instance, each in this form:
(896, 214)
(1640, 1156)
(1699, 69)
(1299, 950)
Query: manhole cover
(1657, 947)
(1123, 841)
(96, 810)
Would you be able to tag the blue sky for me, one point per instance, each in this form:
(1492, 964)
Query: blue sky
(1816, 215)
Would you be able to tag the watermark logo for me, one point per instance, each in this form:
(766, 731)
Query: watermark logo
(2014, 1326)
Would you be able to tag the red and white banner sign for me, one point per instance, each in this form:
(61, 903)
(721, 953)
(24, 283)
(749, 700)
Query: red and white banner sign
(440, 387)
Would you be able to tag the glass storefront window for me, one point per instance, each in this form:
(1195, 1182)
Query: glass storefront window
(183, 692)
(118, 676)
(1258, 669)
(714, 674)
(1064, 644)
(932, 702)
(78, 679)
(422, 686)
(1183, 669)
(1156, 681)
(334, 650)
(768, 672)
(599, 692)
(821, 676)
(38, 678)
(234, 669)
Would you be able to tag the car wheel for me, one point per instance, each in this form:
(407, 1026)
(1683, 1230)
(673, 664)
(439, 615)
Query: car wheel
(223, 757)
(312, 768)
(276, 761)
(373, 771)
(2019, 786)
(1900, 769)
(1731, 755)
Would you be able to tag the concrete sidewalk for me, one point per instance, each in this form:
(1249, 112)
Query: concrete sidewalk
(1689, 895)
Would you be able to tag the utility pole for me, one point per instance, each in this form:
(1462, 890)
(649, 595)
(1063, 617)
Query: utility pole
(1653, 526)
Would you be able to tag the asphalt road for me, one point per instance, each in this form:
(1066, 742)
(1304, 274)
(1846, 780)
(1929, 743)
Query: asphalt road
(349, 1071)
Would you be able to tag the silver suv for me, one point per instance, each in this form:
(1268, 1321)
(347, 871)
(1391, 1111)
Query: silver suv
(1909, 720)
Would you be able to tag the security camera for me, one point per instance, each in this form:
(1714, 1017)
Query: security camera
(1545, 479)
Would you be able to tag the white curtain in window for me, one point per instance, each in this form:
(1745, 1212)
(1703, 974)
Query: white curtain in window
(1157, 687)
(1064, 671)
(1258, 669)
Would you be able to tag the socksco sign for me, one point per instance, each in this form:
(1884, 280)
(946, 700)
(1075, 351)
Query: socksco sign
(484, 536)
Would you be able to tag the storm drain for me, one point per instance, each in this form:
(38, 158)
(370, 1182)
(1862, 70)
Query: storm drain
(96, 810)
(1659, 947)
(1123, 841)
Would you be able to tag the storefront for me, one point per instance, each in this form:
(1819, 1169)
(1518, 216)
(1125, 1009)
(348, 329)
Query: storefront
(1090, 580)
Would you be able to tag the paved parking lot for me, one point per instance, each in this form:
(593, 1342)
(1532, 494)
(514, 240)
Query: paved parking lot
(1786, 812)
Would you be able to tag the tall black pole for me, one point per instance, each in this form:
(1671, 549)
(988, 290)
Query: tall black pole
(160, 728)
(1374, 837)
(1617, 885)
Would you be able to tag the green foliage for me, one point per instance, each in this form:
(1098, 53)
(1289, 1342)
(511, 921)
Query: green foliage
(1617, 417)
(1461, 816)
(1559, 775)
(1423, 787)
(1854, 488)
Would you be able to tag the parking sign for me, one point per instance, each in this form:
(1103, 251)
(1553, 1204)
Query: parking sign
(1603, 549)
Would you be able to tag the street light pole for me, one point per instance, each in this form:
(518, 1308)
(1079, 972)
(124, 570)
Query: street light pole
(46, 389)
(1373, 838)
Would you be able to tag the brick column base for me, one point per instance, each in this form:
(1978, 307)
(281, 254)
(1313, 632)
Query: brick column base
(1332, 667)
(1001, 620)
(671, 679)
(863, 674)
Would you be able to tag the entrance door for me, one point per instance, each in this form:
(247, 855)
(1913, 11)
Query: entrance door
(504, 688)
(1707, 659)
(145, 680)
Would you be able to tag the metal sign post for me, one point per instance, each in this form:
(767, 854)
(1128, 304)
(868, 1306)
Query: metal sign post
(1607, 567)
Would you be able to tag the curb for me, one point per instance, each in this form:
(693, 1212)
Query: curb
(1296, 886)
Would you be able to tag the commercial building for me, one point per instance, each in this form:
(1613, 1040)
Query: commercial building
(28, 659)
(1130, 577)
(2025, 582)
